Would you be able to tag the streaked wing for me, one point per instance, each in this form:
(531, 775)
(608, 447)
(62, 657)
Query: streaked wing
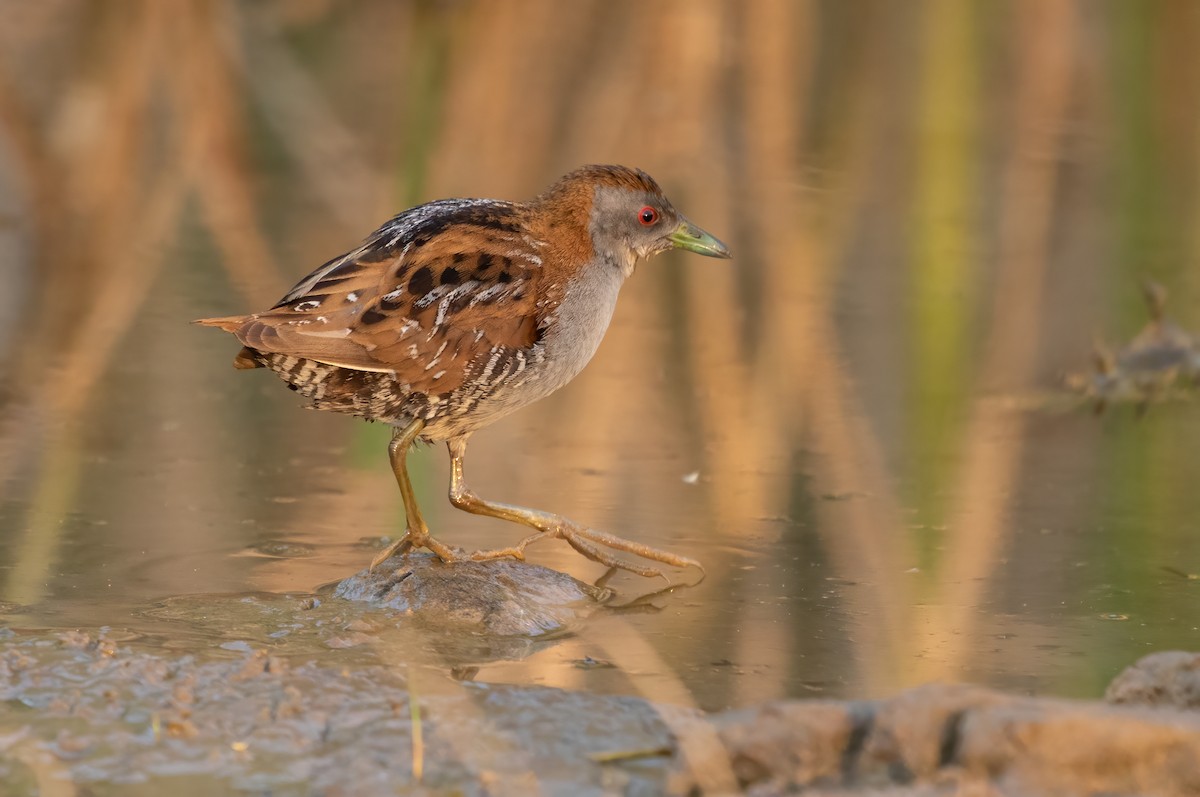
(422, 298)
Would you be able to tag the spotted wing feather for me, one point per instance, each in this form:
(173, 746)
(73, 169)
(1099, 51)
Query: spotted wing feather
(429, 297)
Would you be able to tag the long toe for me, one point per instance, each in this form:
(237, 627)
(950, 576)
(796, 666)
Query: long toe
(499, 553)
(629, 546)
(402, 545)
(441, 551)
(513, 551)
(597, 554)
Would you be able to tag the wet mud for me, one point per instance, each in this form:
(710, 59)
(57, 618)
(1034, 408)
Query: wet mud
(118, 713)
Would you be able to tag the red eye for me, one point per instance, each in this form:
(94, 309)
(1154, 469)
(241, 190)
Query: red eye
(647, 215)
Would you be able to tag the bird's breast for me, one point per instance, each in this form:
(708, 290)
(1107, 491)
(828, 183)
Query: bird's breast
(575, 329)
(511, 379)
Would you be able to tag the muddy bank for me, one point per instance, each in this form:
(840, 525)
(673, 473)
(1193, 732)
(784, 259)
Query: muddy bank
(940, 740)
(81, 708)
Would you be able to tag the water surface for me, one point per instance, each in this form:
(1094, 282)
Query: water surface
(858, 425)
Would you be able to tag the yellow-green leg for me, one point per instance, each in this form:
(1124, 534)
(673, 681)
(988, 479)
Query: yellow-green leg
(584, 540)
(417, 533)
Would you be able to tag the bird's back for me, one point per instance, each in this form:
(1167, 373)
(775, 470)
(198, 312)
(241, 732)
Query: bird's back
(441, 309)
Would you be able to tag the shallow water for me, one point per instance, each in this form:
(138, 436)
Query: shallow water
(858, 425)
(1079, 586)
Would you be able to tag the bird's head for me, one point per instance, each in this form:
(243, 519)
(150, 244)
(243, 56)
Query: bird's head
(627, 215)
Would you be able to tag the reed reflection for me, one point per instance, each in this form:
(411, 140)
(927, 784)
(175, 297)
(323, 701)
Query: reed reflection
(935, 209)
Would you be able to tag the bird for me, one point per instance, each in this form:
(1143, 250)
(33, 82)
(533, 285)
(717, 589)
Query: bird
(458, 312)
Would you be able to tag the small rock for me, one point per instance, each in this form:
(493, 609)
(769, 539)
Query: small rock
(502, 597)
(260, 662)
(351, 640)
(69, 746)
(1170, 678)
(282, 549)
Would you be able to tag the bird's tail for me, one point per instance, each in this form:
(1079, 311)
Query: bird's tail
(247, 357)
(229, 323)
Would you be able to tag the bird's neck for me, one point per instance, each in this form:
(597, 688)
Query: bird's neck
(560, 224)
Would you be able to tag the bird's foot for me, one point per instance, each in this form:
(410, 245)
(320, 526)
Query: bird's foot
(415, 539)
(591, 543)
(513, 551)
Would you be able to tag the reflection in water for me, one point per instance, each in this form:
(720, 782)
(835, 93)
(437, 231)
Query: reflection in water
(934, 212)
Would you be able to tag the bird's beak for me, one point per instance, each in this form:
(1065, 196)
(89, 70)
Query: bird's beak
(690, 237)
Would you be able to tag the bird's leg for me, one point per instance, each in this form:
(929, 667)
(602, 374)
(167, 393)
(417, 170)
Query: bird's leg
(586, 541)
(417, 533)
